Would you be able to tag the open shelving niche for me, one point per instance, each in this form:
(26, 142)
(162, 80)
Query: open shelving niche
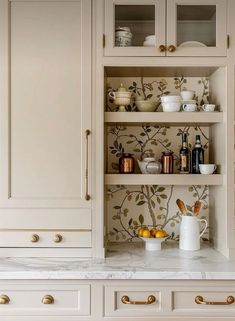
(129, 189)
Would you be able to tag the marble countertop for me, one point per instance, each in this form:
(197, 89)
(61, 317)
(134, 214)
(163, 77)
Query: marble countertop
(125, 262)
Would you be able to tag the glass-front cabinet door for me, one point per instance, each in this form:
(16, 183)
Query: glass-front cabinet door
(196, 27)
(135, 27)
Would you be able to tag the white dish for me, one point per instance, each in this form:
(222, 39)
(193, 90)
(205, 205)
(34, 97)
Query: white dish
(146, 105)
(151, 37)
(171, 107)
(153, 244)
(187, 94)
(192, 44)
(170, 99)
(148, 44)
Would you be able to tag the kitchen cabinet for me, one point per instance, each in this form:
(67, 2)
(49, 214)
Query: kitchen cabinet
(180, 27)
(45, 146)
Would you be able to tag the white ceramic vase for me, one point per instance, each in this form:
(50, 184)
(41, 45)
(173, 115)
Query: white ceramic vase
(190, 233)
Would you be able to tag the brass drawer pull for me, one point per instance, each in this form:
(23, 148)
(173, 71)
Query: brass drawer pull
(126, 300)
(34, 238)
(87, 196)
(199, 300)
(171, 48)
(162, 48)
(4, 299)
(48, 299)
(58, 238)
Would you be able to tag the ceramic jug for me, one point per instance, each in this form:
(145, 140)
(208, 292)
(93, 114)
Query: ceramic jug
(149, 166)
(190, 233)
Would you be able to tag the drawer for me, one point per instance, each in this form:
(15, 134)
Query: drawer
(211, 300)
(45, 299)
(132, 301)
(37, 238)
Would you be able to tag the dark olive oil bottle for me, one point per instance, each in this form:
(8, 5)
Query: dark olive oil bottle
(197, 155)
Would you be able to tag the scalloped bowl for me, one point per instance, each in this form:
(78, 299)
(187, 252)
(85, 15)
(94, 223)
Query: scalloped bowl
(146, 105)
(153, 244)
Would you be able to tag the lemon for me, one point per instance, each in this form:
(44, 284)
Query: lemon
(160, 234)
(140, 232)
(146, 233)
(153, 231)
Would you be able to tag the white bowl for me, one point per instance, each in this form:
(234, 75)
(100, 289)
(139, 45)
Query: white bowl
(146, 105)
(207, 169)
(171, 107)
(170, 98)
(187, 94)
(153, 244)
(148, 44)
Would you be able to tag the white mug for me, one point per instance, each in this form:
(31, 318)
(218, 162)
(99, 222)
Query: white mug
(190, 233)
(208, 107)
(189, 107)
(207, 169)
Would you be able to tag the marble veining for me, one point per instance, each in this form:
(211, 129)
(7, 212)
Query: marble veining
(128, 261)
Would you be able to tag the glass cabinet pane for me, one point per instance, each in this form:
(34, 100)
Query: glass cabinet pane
(196, 25)
(135, 26)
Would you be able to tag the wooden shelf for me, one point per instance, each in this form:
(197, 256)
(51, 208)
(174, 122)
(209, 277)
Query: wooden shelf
(163, 179)
(174, 119)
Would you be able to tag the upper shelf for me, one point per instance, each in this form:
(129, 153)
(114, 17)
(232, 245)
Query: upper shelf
(136, 118)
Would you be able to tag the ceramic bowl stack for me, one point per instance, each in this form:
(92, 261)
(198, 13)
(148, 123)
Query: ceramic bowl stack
(149, 41)
(123, 37)
(171, 103)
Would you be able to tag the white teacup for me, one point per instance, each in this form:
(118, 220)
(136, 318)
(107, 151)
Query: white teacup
(207, 169)
(187, 94)
(208, 107)
(189, 107)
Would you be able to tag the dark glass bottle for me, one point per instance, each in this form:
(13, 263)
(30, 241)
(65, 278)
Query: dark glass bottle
(185, 159)
(197, 155)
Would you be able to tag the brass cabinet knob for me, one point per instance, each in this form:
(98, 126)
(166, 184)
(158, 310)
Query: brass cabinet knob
(4, 299)
(171, 48)
(199, 300)
(162, 48)
(58, 238)
(48, 299)
(34, 238)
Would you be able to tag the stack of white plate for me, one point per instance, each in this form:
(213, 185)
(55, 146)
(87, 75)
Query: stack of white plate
(171, 103)
(150, 41)
(123, 37)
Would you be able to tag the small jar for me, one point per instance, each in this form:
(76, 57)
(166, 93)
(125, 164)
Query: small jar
(126, 164)
(167, 162)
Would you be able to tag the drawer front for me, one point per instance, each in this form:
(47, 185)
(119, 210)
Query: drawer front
(31, 300)
(211, 300)
(115, 298)
(37, 238)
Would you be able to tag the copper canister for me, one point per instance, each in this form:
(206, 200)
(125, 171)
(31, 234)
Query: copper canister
(167, 162)
(126, 164)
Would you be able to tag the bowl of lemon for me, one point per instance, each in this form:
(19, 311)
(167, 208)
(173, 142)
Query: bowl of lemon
(153, 238)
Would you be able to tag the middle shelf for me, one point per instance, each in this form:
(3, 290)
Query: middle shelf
(163, 179)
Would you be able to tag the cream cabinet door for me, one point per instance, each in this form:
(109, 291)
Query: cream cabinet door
(196, 27)
(45, 101)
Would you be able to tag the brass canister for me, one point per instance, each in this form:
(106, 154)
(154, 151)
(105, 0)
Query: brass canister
(126, 164)
(167, 162)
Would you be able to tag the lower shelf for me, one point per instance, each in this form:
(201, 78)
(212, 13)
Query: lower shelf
(163, 179)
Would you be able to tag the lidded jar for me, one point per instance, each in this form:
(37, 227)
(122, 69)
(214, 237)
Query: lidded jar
(126, 164)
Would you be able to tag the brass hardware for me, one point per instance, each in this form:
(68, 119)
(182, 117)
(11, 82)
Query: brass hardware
(4, 299)
(48, 299)
(103, 40)
(126, 300)
(87, 196)
(162, 48)
(230, 300)
(171, 48)
(228, 41)
(34, 238)
(57, 238)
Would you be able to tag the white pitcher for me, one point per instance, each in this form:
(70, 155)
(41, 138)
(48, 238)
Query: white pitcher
(190, 233)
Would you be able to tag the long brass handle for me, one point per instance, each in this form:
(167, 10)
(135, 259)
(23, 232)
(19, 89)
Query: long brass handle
(171, 48)
(126, 300)
(4, 299)
(87, 196)
(162, 48)
(34, 238)
(48, 299)
(58, 238)
(199, 300)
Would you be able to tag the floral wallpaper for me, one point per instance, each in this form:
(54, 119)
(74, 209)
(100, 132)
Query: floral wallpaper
(129, 207)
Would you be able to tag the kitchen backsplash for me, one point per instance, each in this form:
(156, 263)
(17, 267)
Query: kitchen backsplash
(131, 206)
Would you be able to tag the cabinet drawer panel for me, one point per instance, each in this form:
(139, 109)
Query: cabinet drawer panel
(37, 238)
(28, 300)
(184, 301)
(115, 307)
